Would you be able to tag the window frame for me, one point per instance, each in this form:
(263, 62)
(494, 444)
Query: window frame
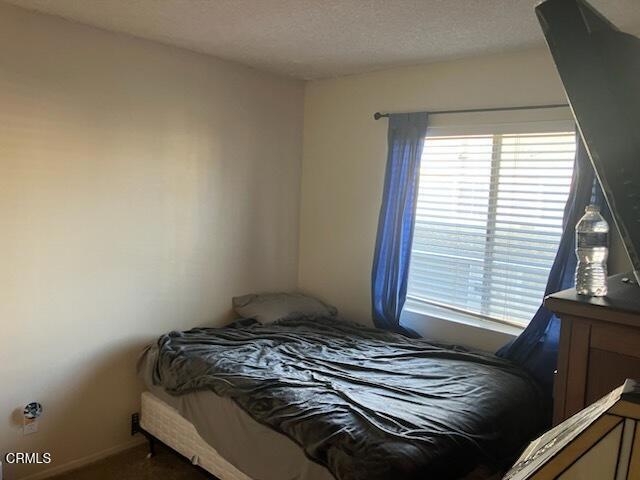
(416, 305)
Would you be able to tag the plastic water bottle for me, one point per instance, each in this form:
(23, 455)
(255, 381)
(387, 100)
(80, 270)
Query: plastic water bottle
(592, 250)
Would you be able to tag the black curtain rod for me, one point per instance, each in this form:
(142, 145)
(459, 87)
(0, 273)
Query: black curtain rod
(378, 115)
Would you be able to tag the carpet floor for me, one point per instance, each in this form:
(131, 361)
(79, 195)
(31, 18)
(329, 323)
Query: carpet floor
(133, 464)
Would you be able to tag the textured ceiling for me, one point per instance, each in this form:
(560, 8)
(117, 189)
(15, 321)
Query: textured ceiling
(324, 38)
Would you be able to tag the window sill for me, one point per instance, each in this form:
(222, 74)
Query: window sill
(416, 310)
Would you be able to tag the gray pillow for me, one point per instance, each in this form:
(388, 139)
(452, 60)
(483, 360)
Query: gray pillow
(269, 307)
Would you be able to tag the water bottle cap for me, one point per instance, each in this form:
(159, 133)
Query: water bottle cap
(592, 209)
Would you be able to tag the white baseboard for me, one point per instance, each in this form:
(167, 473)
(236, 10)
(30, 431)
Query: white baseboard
(81, 462)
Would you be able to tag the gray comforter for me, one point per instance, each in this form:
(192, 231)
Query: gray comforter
(366, 403)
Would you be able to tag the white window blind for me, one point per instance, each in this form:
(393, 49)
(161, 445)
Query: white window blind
(489, 221)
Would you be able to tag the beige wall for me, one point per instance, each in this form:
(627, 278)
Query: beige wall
(141, 187)
(344, 159)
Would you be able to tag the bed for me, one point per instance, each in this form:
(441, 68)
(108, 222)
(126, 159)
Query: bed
(326, 399)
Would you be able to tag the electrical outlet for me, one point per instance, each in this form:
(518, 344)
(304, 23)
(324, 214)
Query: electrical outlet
(30, 415)
(135, 424)
(30, 427)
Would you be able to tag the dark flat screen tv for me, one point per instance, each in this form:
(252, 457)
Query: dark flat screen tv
(600, 68)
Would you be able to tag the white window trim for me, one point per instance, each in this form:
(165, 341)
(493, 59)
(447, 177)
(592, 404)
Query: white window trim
(414, 306)
(501, 128)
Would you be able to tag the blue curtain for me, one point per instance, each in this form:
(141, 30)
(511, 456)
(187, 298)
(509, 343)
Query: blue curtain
(536, 349)
(395, 225)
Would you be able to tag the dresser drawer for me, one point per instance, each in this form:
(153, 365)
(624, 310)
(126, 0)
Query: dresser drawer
(599, 344)
(614, 356)
(595, 357)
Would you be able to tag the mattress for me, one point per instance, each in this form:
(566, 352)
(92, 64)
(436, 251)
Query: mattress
(366, 403)
(220, 436)
(167, 425)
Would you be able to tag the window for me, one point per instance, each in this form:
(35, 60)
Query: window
(489, 221)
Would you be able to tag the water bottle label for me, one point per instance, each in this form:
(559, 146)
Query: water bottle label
(593, 240)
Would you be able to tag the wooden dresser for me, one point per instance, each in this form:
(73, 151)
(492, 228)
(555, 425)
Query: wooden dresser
(599, 344)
